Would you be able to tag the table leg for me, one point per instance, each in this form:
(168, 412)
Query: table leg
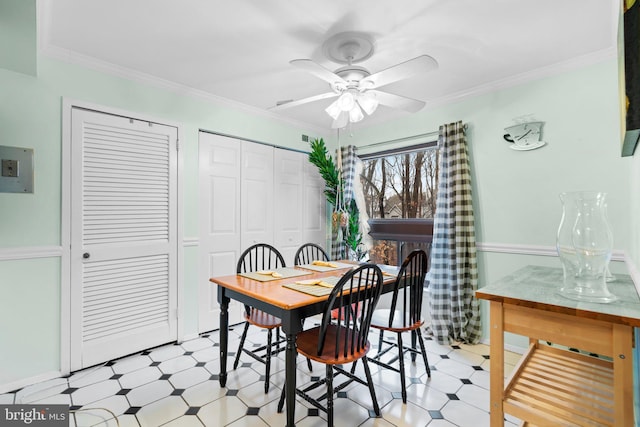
(290, 382)
(224, 334)
(496, 356)
(623, 374)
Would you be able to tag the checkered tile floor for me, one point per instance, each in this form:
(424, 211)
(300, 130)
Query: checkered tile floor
(177, 385)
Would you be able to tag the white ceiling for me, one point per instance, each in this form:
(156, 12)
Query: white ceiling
(240, 50)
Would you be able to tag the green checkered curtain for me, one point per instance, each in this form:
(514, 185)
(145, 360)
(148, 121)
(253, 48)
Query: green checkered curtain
(453, 276)
(347, 159)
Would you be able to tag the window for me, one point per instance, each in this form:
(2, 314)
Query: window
(400, 189)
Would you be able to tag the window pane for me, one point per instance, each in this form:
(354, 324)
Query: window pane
(384, 252)
(401, 185)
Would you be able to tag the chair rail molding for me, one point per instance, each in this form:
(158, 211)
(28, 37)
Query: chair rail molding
(30, 252)
(510, 248)
(190, 241)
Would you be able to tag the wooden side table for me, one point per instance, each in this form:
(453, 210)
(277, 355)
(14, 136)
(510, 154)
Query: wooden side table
(552, 385)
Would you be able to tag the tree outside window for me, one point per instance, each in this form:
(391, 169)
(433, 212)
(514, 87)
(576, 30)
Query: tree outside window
(400, 196)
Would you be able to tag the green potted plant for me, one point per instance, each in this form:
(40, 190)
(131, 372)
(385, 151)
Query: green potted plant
(349, 225)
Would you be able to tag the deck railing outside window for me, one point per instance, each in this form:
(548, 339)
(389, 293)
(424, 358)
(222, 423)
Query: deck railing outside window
(394, 239)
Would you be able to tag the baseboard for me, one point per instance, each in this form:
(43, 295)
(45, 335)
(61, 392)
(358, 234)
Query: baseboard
(17, 385)
(190, 337)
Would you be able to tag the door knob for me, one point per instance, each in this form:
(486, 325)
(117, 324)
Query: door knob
(86, 255)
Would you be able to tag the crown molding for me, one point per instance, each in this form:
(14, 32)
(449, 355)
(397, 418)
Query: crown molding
(526, 77)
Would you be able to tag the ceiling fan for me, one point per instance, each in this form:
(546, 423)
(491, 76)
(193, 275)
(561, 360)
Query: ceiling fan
(355, 87)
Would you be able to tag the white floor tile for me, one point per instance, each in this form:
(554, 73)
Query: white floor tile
(197, 344)
(189, 377)
(454, 368)
(165, 353)
(149, 392)
(95, 392)
(410, 414)
(140, 377)
(90, 376)
(165, 387)
(222, 412)
(207, 354)
(464, 414)
(162, 411)
(426, 397)
(130, 364)
(203, 393)
(177, 364)
(41, 390)
(185, 421)
(115, 405)
(254, 396)
(474, 395)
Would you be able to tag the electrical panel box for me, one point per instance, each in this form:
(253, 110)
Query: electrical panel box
(16, 171)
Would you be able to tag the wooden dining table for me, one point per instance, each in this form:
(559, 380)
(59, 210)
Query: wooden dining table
(291, 306)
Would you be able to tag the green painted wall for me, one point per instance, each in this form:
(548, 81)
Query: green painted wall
(18, 36)
(31, 116)
(515, 193)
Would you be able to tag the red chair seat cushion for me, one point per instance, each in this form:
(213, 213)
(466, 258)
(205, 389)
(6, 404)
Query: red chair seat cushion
(307, 343)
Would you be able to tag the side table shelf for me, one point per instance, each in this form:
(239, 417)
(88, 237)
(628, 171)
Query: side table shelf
(552, 386)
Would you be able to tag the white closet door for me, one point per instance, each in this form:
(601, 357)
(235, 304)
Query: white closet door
(257, 194)
(123, 236)
(314, 211)
(219, 209)
(289, 201)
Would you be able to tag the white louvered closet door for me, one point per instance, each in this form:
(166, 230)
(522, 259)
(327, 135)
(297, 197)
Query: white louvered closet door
(123, 236)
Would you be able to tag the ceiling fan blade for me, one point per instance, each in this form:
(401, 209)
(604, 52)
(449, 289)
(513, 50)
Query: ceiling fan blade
(404, 70)
(289, 104)
(397, 101)
(319, 71)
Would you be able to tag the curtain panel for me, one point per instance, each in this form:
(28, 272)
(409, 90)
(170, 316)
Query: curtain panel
(453, 276)
(346, 162)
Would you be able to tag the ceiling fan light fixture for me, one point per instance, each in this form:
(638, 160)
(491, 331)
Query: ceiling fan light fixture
(368, 102)
(346, 101)
(355, 114)
(341, 121)
(334, 110)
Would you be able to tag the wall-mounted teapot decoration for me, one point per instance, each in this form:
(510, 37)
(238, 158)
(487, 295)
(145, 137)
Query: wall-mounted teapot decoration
(525, 136)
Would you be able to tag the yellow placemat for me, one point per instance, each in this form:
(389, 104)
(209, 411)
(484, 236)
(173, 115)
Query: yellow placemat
(275, 274)
(326, 265)
(315, 287)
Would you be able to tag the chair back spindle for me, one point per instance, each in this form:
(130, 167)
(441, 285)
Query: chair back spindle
(260, 256)
(308, 253)
(406, 300)
(359, 292)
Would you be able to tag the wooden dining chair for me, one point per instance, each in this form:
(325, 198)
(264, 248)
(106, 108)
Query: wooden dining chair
(258, 257)
(343, 340)
(308, 253)
(405, 315)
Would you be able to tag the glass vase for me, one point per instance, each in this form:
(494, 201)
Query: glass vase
(586, 261)
(564, 239)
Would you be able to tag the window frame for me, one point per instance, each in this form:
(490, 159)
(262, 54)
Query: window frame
(401, 230)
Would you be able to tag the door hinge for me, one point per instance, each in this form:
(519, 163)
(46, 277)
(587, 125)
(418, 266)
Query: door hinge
(177, 144)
